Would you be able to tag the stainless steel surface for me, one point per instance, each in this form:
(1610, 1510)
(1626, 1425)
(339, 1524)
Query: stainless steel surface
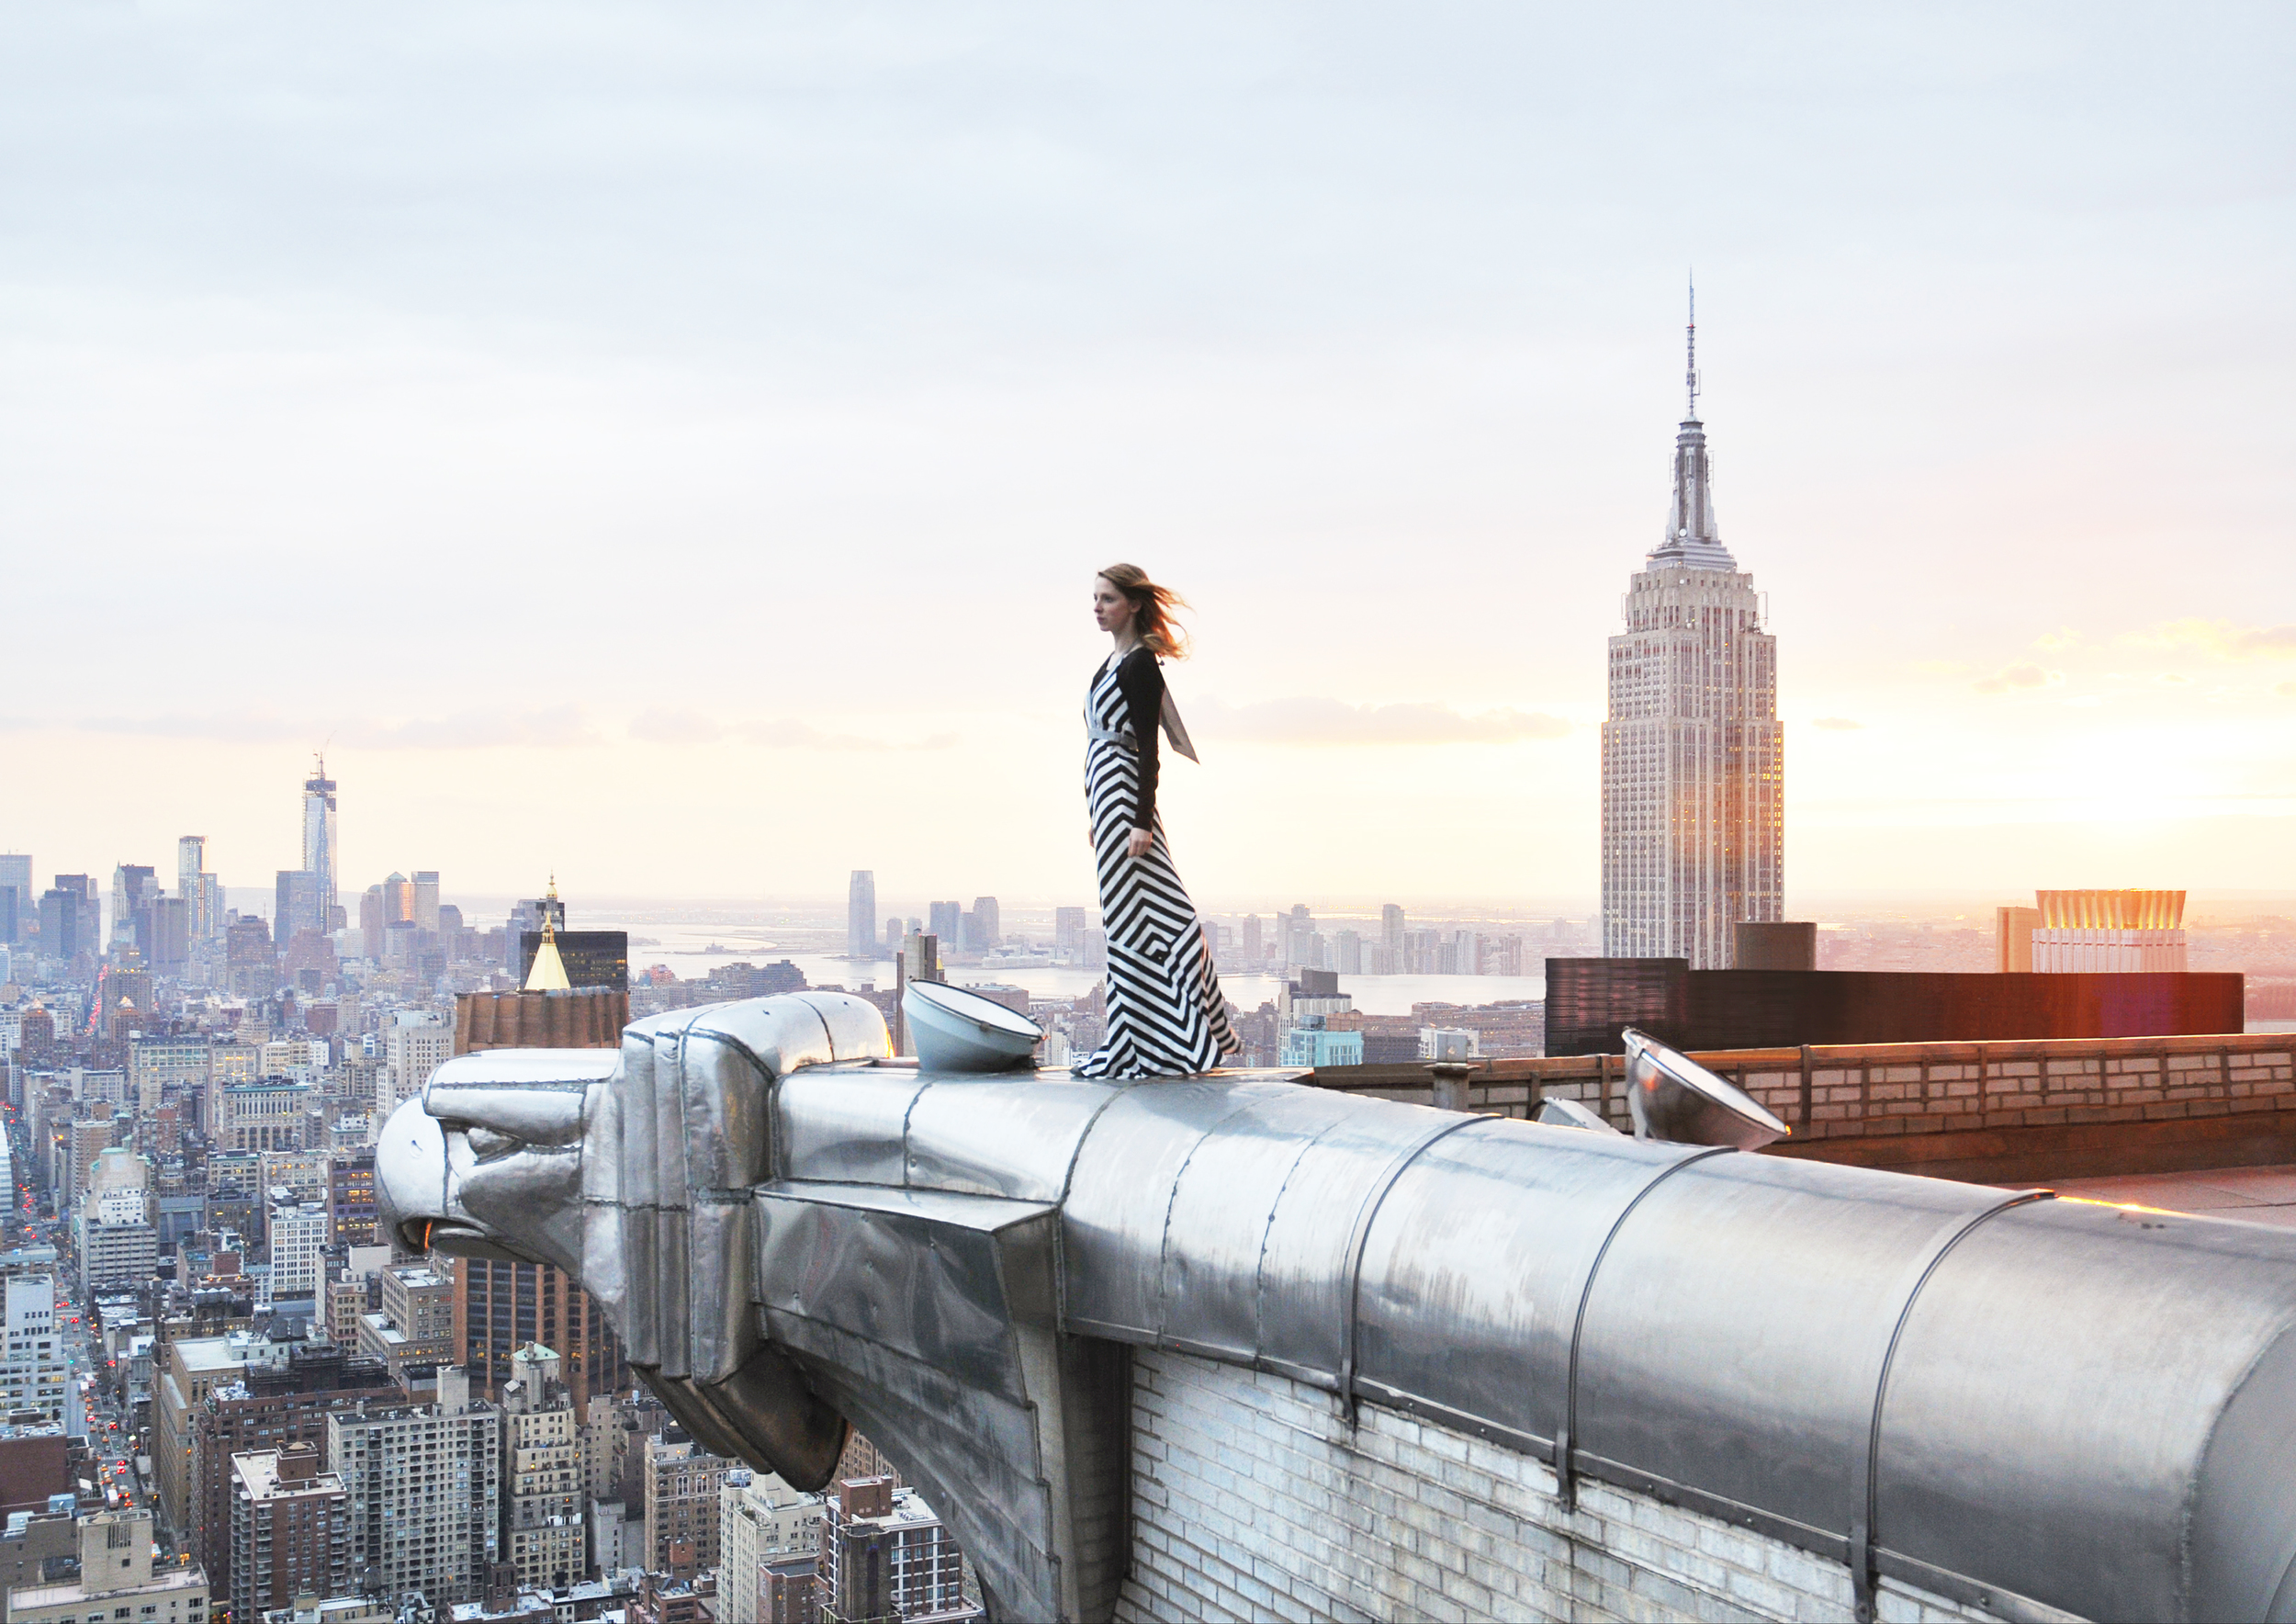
(1672, 1097)
(929, 1318)
(959, 1030)
(2037, 1403)
(1569, 1113)
(642, 1190)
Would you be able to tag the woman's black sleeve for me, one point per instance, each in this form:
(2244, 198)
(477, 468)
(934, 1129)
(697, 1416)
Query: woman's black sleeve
(1141, 683)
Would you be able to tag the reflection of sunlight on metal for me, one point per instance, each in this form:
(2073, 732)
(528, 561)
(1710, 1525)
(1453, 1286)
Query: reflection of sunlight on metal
(1673, 1097)
(2085, 1200)
(1568, 1113)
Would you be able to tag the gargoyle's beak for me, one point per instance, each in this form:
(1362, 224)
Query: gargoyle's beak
(411, 1192)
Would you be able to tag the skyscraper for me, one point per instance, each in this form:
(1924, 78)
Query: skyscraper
(1694, 825)
(542, 1473)
(18, 902)
(70, 913)
(319, 837)
(528, 915)
(294, 905)
(191, 868)
(398, 901)
(1300, 945)
(290, 1530)
(860, 915)
(423, 1486)
(133, 883)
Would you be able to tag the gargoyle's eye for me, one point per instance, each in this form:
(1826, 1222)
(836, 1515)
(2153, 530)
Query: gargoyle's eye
(486, 1142)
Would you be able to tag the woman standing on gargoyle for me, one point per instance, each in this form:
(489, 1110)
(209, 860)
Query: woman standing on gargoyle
(1167, 1016)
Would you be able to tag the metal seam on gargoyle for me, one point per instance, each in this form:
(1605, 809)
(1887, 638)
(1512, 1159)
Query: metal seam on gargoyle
(1164, 1238)
(1360, 1236)
(1566, 1435)
(1864, 1537)
(1267, 1228)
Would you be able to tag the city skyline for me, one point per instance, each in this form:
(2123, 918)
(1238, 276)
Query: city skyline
(566, 1054)
(2003, 344)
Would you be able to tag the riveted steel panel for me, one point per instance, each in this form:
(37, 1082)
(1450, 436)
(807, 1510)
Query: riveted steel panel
(1792, 1275)
(2058, 1383)
(917, 1270)
(634, 1117)
(1121, 1198)
(1223, 1203)
(1000, 1136)
(845, 1123)
(1490, 1234)
(1303, 1275)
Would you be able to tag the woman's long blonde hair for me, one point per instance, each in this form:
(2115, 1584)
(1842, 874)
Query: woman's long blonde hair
(1151, 610)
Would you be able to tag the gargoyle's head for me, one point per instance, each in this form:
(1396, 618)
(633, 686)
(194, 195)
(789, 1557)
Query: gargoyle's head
(487, 1162)
(631, 1170)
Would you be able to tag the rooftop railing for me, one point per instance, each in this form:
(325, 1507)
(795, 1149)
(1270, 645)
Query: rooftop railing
(1871, 1090)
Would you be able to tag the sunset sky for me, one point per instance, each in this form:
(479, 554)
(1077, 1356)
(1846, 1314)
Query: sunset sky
(671, 444)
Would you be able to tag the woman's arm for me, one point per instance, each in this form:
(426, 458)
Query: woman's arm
(1141, 681)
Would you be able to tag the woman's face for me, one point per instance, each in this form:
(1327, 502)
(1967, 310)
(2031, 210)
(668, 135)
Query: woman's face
(1112, 610)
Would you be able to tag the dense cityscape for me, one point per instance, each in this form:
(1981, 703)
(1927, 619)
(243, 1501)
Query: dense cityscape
(218, 1360)
(1699, 1095)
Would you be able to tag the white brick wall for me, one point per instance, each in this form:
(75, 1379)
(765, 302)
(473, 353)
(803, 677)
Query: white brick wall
(1253, 1499)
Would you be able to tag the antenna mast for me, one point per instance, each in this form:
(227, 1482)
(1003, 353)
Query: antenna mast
(1690, 376)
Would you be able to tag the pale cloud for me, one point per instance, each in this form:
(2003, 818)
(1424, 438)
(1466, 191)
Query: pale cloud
(2225, 640)
(661, 726)
(556, 727)
(1837, 724)
(2286, 690)
(2057, 641)
(566, 727)
(2024, 675)
(1304, 720)
(789, 735)
(230, 728)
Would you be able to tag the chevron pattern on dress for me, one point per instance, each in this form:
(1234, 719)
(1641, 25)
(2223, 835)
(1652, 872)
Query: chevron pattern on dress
(1166, 1014)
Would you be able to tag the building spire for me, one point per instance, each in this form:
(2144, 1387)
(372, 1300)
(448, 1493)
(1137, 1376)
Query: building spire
(1692, 538)
(548, 971)
(1690, 376)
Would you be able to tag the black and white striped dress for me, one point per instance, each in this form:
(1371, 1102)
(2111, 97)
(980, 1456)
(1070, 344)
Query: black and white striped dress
(1167, 1016)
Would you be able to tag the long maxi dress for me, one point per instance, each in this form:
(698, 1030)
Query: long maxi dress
(1167, 1016)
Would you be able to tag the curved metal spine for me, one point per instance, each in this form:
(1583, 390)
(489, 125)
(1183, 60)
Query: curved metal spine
(1353, 1293)
(1867, 1464)
(1566, 1472)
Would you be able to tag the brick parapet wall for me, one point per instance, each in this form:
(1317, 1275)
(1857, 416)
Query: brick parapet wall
(1867, 1091)
(1253, 1498)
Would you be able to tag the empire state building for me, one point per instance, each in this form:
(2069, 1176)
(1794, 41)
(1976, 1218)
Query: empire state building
(1693, 826)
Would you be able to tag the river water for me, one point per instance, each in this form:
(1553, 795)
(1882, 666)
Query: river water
(684, 950)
